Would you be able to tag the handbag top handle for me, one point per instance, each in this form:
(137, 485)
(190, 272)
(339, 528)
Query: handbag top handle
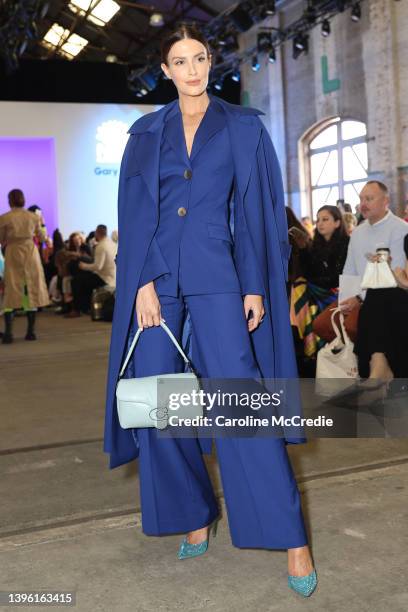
(336, 329)
(136, 338)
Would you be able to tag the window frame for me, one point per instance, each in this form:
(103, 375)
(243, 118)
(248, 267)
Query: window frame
(307, 152)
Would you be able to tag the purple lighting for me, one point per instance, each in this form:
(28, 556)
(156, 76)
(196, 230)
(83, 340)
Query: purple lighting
(29, 164)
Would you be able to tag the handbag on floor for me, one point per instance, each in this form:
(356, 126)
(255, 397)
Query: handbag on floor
(150, 401)
(336, 366)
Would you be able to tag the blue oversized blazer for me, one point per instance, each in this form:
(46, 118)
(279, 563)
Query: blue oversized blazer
(258, 194)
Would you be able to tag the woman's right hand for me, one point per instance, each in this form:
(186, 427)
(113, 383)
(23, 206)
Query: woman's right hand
(148, 309)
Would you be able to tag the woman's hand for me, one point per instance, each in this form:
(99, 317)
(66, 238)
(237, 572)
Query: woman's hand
(300, 238)
(254, 303)
(148, 309)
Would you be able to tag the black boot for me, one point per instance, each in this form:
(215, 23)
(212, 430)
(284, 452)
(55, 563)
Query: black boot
(8, 336)
(30, 335)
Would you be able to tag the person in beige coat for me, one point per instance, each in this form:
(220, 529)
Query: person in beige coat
(24, 281)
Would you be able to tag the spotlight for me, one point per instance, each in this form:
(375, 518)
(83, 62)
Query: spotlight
(218, 84)
(272, 55)
(356, 12)
(300, 45)
(156, 20)
(255, 64)
(270, 8)
(300, 42)
(236, 75)
(326, 28)
(267, 9)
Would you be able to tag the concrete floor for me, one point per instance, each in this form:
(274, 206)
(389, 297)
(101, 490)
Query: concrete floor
(69, 523)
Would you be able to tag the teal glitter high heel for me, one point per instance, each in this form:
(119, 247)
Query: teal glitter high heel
(187, 550)
(304, 585)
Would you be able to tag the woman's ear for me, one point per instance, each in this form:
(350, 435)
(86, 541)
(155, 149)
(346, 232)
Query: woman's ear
(165, 70)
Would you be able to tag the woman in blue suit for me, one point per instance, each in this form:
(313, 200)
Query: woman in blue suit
(182, 168)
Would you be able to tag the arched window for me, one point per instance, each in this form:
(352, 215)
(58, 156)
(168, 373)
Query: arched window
(335, 163)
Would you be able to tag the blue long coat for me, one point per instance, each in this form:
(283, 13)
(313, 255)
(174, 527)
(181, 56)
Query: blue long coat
(258, 190)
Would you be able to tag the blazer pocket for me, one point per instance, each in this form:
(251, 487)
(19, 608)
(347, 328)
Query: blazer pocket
(215, 230)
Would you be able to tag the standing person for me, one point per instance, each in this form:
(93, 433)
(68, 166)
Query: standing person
(177, 254)
(24, 279)
(322, 262)
(102, 271)
(382, 320)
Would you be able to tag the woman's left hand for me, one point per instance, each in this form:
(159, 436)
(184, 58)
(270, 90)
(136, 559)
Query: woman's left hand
(254, 303)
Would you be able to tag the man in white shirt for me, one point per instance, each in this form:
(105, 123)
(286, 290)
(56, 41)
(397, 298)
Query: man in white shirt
(380, 229)
(102, 271)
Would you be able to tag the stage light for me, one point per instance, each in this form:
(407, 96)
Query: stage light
(218, 84)
(255, 64)
(267, 9)
(300, 45)
(156, 20)
(270, 8)
(356, 12)
(272, 55)
(300, 42)
(236, 76)
(326, 28)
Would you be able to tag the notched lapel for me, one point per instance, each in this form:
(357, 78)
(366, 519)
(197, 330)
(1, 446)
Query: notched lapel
(212, 122)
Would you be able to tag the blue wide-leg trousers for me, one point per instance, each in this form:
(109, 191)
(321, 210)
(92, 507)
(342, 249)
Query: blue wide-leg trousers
(260, 491)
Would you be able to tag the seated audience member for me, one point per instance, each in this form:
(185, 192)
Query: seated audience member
(350, 221)
(376, 323)
(294, 226)
(322, 262)
(92, 275)
(66, 261)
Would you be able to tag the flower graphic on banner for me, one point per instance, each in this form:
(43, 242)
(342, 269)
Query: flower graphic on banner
(111, 139)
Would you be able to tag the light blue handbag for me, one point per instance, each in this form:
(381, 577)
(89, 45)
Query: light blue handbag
(150, 401)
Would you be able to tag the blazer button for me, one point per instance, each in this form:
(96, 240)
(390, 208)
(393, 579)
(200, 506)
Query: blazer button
(181, 211)
(188, 174)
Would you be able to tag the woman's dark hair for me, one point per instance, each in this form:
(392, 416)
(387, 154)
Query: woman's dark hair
(292, 220)
(33, 208)
(181, 32)
(339, 234)
(57, 241)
